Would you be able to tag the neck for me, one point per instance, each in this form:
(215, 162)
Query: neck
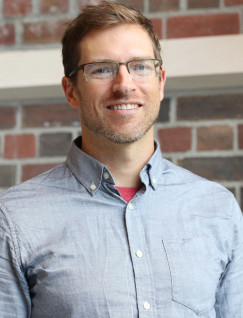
(125, 161)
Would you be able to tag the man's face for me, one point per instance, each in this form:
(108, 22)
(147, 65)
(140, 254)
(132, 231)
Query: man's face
(100, 100)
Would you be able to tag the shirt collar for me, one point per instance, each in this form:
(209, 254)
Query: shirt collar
(91, 173)
(153, 170)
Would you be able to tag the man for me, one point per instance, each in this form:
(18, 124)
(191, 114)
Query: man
(118, 231)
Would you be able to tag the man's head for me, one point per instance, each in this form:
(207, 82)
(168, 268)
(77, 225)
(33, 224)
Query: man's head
(113, 73)
(99, 17)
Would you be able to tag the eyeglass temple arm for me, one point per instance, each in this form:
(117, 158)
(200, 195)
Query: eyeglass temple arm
(78, 68)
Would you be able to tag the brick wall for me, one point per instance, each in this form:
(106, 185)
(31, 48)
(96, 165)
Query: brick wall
(34, 137)
(25, 23)
(203, 132)
(199, 130)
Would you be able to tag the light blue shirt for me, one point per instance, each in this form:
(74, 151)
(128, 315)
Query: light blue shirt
(71, 247)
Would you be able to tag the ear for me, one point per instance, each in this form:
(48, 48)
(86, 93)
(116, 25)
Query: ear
(70, 92)
(162, 83)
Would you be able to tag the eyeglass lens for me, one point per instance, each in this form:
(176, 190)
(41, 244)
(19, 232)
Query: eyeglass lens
(108, 70)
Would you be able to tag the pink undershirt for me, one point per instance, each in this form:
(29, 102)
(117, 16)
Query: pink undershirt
(127, 193)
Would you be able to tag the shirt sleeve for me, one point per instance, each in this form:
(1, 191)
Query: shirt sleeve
(229, 300)
(14, 295)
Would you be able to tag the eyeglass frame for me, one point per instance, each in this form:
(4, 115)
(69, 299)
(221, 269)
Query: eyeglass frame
(81, 67)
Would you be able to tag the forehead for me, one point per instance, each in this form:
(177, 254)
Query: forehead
(120, 43)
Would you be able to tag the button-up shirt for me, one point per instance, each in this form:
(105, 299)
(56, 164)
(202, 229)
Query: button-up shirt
(72, 247)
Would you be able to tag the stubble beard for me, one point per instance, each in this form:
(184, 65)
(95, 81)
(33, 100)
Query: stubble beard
(100, 127)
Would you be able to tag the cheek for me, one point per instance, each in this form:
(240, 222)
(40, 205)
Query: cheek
(94, 94)
(152, 89)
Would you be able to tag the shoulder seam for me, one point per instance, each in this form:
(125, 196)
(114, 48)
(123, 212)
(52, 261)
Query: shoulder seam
(12, 232)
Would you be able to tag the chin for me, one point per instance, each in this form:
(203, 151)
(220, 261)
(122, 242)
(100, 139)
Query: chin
(120, 138)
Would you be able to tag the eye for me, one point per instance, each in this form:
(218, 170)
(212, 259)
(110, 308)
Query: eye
(139, 67)
(142, 66)
(101, 70)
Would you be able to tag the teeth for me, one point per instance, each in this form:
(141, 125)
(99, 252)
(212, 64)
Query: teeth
(124, 106)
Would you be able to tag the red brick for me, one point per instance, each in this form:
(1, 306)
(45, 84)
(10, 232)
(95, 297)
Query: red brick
(157, 25)
(198, 4)
(203, 25)
(233, 2)
(54, 6)
(210, 107)
(53, 115)
(175, 139)
(7, 117)
(32, 170)
(44, 31)
(138, 4)
(55, 144)
(214, 138)
(84, 3)
(163, 5)
(8, 175)
(240, 136)
(12, 8)
(19, 146)
(220, 168)
(7, 34)
(164, 113)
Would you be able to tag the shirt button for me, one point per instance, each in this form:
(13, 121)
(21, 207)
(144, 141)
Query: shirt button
(154, 181)
(130, 206)
(146, 305)
(139, 254)
(106, 175)
(93, 186)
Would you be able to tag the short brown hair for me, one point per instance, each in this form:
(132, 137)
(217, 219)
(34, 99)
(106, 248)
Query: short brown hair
(98, 17)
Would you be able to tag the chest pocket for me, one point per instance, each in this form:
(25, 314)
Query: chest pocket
(195, 268)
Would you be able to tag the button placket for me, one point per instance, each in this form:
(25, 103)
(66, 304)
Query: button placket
(139, 260)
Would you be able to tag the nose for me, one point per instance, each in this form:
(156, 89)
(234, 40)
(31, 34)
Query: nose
(123, 83)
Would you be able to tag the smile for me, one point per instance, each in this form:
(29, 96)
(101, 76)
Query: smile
(124, 106)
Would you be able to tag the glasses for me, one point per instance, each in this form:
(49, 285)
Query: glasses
(138, 69)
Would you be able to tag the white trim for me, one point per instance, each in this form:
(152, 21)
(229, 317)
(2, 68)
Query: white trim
(204, 63)
(193, 63)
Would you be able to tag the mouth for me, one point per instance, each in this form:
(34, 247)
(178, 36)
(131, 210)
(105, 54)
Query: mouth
(124, 106)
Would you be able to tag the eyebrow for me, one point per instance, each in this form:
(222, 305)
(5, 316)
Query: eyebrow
(131, 59)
